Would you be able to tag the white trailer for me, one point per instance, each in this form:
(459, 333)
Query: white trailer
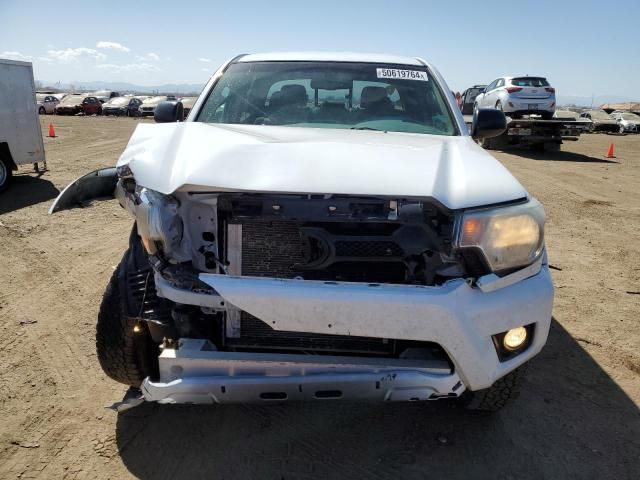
(20, 134)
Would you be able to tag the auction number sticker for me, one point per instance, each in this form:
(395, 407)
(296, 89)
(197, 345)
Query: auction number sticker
(402, 74)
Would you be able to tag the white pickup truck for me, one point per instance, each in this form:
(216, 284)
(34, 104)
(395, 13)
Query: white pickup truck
(20, 133)
(321, 227)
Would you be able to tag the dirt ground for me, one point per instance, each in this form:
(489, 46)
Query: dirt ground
(577, 417)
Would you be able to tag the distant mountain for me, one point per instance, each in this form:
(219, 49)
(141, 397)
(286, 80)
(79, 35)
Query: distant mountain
(176, 88)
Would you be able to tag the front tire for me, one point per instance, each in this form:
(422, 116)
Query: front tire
(41, 111)
(492, 399)
(125, 355)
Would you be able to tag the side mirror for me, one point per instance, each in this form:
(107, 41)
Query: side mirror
(488, 123)
(168, 111)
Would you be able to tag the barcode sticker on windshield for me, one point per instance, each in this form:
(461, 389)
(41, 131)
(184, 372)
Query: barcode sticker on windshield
(402, 74)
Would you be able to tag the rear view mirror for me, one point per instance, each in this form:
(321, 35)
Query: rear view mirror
(488, 123)
(168, 111)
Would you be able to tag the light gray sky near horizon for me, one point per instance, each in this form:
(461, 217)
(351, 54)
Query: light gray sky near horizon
(583, 47)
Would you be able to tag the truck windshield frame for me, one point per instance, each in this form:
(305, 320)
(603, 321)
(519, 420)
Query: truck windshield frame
(323, 94)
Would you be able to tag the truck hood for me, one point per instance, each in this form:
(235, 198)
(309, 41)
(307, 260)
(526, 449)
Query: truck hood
(270, 159)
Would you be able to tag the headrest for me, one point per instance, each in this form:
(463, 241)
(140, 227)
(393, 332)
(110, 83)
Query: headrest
(294, 94)
(372, 95)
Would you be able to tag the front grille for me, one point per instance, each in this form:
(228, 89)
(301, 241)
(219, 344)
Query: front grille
(273, 249)
(367, 249)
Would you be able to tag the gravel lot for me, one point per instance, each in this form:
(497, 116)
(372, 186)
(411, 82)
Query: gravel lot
(577, 417)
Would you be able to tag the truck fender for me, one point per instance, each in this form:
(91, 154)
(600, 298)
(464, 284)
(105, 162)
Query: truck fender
(97, 184)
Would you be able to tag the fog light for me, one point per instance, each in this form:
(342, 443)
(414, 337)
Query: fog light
(514, 338)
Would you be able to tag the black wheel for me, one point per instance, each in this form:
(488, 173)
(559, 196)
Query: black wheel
(124, 346)
(499, 105)
(546, 115)
(6, 174)
(42, 111)
(620, 129)
(497, 395)
(592, 128)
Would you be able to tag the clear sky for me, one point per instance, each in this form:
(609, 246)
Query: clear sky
(584, 47)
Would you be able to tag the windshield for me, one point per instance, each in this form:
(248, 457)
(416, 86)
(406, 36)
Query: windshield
(529, 82)
(631, 116)
(367, 96)
(72, 100)
(118, 101)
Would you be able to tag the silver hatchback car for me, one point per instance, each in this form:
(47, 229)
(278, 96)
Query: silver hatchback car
(517, 96)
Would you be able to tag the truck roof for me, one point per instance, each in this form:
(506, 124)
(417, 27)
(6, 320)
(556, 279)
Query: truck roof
(330, 57)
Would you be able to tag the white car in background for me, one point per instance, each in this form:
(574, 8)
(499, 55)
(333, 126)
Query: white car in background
(517, 96)
(149, 104)
(46, 103)
(627, 121)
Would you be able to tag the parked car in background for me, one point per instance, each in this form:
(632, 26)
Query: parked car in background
(566, 115)
(91, 106)
(122, 106)
(71, 104)
(257, 272)
(187, 104)
(517, 96)
(601, 121)
(469, 98)
(105, 95)
(149, 105)
(571, 115)
(627, 121)
(79, 103)
(46, 103)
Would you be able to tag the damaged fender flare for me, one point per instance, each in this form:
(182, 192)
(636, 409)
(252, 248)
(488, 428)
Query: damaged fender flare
(97, 184)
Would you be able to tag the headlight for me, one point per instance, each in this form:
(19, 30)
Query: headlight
(159, 223)
(508, 237)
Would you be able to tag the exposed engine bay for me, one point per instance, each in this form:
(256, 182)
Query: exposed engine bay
(306, 237)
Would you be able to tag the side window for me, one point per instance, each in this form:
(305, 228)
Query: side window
(492, 85)
(500, 83)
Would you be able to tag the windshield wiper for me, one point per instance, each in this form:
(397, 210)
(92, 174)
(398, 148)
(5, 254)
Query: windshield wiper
(368, 128)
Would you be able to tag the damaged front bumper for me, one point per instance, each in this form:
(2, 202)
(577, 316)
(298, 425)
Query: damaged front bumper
(460, 317)
(197, 373)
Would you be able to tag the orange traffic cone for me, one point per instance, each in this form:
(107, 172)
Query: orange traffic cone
(610, 152)
(52, 131)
